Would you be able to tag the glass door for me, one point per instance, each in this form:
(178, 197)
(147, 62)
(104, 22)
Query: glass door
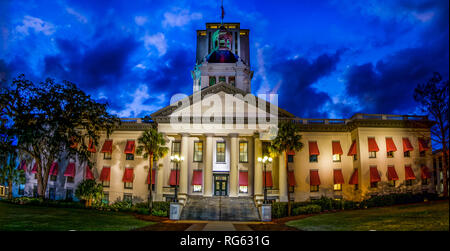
(221, 184)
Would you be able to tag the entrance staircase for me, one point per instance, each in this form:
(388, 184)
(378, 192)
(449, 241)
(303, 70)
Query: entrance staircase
(218, 208)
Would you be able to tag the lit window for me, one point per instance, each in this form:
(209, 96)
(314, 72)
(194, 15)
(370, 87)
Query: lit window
(337, 187)
(176, 148)
(372, 155)
(243, 152)
(197, 188)
(390, 154)
(128, 185)
(392, 183)
(336, 158)
(220, 152)
(314, 188)
(291, 189)
(198, 151)
(243, 189)
(107, 156)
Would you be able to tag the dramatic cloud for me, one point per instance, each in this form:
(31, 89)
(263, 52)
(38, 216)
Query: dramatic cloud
(158, 41)
(36, 24)
(76, 14)
(180, 18)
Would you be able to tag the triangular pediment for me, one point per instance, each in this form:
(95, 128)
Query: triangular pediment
(223, 100)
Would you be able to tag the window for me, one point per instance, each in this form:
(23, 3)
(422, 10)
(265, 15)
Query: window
(128, 185)
(232, 80)
(243, 152)
(69, 194)
(129, 156)
(220, 152)
(51, 193)
(21, 189)
(355, 157)
(35, 191)
(372, 155)
(373, 184)
(424, 182)
(243, 189)
(337, 187)
(422, 154)
(52, 177)
(152, 186)
(408, 182)
(105, 183)
(390, 154)
(176, 148)
(105, 198)
(407, 154)
(291, 189)
(69, 179)
(336, 158)
(35, 176)
(356, 187)
(198, 151)
(290, 158)
(197, 188)
(222, 79)
(392, 183)
(127, 197)
(212, 80)
(107, 156)
(313, 158)
(314, 188)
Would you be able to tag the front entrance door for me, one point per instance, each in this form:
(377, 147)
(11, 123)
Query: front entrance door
(220, 184)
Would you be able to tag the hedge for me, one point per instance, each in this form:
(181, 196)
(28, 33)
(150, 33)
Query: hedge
(310, 209)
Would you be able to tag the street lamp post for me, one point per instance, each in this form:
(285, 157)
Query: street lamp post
(177, 159)
(264, 160)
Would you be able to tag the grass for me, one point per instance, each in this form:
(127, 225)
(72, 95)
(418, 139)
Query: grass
(432, 216)
(37, 218)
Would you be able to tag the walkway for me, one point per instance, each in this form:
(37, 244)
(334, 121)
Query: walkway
(219, 226)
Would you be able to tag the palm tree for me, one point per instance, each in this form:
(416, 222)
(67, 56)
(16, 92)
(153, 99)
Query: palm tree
(152, 146)
(287, 140)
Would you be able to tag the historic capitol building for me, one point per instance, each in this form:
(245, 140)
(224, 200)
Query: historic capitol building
(222, 129)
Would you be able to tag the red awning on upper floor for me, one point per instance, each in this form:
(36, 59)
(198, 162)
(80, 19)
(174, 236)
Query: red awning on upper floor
(337, 149)
(314, 179)
(409, 173)
(407, 146)
(174, 177)
(374, 175)
(130, 147)
(390, 146)
(70, 170)
(89, 174)
(352, 150)
(54, 169)
(268, 176)
(354, 179)
(392, 174)
(197, 178)
(106, 174)
(128, 175)
(338, 177)
(313, 148)
(373, 146)
(107, 146)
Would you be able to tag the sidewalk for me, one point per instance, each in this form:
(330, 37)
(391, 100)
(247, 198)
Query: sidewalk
(219, 226)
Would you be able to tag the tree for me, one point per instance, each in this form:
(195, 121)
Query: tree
(287, 139)
(89, 191)
(9, 173)
(49, 119)
(152, 146)
(433, 98)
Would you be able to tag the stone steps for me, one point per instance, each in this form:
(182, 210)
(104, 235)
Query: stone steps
(220, 209)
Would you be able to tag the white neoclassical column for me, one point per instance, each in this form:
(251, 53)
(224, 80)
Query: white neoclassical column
(258, 184)
(251, 166)
(234, 165)
(208, 166)
(282, 177)
(182, 195)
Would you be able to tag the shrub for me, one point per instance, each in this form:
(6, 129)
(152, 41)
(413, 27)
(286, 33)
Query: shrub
(310, 209)
(143, 211)
(160, 213)
(279, 210)
(161, 206)
(324, 202)
(141, 205)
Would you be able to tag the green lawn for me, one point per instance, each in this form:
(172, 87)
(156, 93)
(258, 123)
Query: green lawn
(35, 218)
(432, 216)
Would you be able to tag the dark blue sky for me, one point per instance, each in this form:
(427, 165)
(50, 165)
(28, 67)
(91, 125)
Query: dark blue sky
(326, 59)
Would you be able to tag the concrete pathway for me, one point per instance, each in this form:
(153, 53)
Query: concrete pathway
(219, 226)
